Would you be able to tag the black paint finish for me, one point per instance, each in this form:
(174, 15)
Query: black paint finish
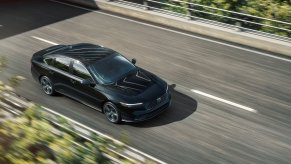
(138, 94)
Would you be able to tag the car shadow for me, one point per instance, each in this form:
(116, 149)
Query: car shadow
(182, 106)
(19, 16)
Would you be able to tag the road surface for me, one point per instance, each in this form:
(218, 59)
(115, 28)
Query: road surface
(230, 104)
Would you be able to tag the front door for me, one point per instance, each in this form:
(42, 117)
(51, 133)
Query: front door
(89, 95)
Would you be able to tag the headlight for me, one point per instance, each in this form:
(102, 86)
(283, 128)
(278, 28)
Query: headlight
(167, 88)
(130, 105)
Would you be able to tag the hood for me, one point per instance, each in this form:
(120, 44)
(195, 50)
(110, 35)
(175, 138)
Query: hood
(140, 83)
(137, 81)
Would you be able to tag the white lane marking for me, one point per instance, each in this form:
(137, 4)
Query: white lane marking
(224, 101)
(47, 41)
(178, 32)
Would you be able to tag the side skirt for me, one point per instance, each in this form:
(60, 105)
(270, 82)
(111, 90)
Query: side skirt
(95, 108)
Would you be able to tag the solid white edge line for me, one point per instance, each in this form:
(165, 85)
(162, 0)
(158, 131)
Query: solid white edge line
(41, 39)
(102, 134)
(177, 32)
(224, 101)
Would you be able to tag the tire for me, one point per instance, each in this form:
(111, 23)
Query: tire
(112, 113)
(47, 85)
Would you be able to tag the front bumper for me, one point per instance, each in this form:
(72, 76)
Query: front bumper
(146, 115)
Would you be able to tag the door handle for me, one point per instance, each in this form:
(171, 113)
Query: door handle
(73, 81)
(51, 72)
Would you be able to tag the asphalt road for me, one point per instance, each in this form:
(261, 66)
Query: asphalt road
(197, 128)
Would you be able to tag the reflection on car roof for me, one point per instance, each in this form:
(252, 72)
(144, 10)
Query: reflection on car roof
(86, 52)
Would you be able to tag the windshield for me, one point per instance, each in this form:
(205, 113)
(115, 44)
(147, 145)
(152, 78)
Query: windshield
(111, 69)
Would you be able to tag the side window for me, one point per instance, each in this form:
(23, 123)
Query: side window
(62, 63)
(49, 61)
(80, 70)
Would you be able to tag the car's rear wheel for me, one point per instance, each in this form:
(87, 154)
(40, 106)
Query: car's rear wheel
(47, 85)
(112, 113)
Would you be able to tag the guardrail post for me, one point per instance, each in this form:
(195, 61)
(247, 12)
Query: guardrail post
(238, 26)
(189, 11)
(146, 4)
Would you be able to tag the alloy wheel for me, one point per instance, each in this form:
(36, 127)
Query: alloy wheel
(111, 113)
(46, 85)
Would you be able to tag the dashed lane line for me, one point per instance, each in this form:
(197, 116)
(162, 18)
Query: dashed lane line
(224, 101)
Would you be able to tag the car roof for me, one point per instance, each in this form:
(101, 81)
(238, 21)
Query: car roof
(86, 53)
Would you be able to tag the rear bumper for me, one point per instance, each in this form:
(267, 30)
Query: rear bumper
(34, 73)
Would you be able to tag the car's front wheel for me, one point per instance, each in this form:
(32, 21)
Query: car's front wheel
(47, 85)
(112, 113)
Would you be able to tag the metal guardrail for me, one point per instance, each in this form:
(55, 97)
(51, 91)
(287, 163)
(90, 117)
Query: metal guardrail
(16, 104)
(229, 19)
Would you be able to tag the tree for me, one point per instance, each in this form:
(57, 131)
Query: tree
(271, 9)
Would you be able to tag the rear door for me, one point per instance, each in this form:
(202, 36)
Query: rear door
(60, 75)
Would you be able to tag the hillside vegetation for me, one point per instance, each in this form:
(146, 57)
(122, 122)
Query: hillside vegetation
(271, 9)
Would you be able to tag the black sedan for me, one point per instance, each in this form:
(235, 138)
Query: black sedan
(103, 79)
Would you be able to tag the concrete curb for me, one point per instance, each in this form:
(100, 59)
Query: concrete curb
(230, 35)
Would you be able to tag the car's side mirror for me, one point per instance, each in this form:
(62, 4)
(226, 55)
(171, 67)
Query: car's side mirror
(88, 82)
(133, 61)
